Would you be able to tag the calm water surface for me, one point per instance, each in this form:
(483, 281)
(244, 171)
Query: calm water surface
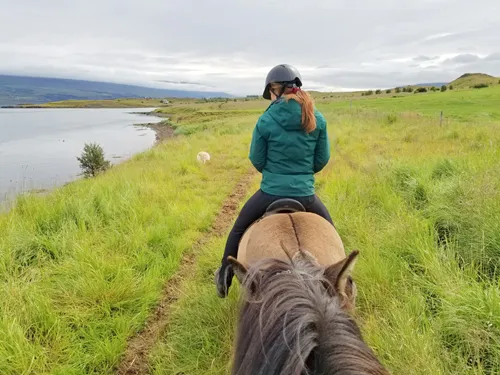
(38, 147)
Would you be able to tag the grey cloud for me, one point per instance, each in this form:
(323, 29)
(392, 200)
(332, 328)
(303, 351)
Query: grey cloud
(493, 57)
(475, 64)
(462, 59)
(231, 44)
(482, 66)
(433, 67)
(184, 83)
(424, 58)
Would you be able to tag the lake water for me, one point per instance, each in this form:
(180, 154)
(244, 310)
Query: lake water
(38, 147)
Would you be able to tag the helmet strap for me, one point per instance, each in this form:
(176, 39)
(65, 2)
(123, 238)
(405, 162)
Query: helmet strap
(281, 92)
(284, 86)
(278, 95)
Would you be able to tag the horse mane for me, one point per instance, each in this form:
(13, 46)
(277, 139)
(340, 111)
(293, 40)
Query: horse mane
(289, 324)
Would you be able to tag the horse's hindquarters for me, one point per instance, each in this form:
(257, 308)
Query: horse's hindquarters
(306, 230)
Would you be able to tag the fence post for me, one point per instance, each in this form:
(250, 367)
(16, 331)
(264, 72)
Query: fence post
(441, 119)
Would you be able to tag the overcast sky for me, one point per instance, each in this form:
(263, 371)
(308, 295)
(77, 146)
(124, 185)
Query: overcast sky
(230, 45)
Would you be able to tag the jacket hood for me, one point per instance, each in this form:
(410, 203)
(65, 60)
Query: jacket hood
(288, 114)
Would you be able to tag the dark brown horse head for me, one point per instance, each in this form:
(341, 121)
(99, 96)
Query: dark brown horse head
(295, 320)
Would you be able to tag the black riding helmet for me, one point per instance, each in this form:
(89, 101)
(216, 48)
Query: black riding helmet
(285, 74)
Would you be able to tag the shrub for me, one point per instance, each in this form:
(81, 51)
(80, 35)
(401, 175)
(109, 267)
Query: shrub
(451, 87)
(388, 91)
(369, 92)
(420, 89)
(378, 91)
(409, 89)
(92, 160)
(433, 88)
(391, 118)
(398, 90)
(480, 86)
(444, 88)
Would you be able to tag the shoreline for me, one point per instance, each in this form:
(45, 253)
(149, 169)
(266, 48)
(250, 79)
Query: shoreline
(163, 131)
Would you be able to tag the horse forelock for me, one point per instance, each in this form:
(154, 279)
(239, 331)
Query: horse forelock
(288, 322)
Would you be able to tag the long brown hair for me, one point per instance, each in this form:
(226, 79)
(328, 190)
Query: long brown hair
(306, 102)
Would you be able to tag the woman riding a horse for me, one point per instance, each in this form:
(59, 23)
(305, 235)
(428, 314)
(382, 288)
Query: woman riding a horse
(289, 145)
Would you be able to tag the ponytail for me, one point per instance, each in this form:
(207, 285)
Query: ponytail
(306, 102)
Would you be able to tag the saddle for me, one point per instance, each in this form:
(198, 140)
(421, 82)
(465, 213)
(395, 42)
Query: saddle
(284, 205)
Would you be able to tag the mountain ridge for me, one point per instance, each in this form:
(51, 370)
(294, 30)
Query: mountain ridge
(18, 89)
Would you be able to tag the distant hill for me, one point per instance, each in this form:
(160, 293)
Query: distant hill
(465, 81)
(16, 90)
(468, 80)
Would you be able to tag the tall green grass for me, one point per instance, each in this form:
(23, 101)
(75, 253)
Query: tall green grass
(81, 268)
(424, 213)
(422, 204)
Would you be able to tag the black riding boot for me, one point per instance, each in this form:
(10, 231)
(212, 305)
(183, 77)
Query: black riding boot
(223, 278)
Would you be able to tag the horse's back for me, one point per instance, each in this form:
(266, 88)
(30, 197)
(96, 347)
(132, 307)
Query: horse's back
(303, 230)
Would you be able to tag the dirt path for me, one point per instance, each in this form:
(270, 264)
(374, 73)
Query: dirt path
(135, 359)
(355, 166)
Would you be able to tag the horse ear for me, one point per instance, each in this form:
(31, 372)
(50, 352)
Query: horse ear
(304, 255)
(239, 269)
(338, 274)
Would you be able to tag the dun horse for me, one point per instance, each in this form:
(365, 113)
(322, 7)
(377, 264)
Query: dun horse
(298, 294)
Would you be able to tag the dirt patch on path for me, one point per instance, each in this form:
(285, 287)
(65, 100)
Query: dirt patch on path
(136, 358)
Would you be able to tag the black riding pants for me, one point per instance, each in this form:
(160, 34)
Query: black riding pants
(255, 207)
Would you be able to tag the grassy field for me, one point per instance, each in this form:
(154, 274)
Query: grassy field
(422, 203)
(81, 267)
(477, 106)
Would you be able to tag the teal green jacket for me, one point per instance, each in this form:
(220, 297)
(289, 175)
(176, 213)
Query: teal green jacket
(285, 154)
